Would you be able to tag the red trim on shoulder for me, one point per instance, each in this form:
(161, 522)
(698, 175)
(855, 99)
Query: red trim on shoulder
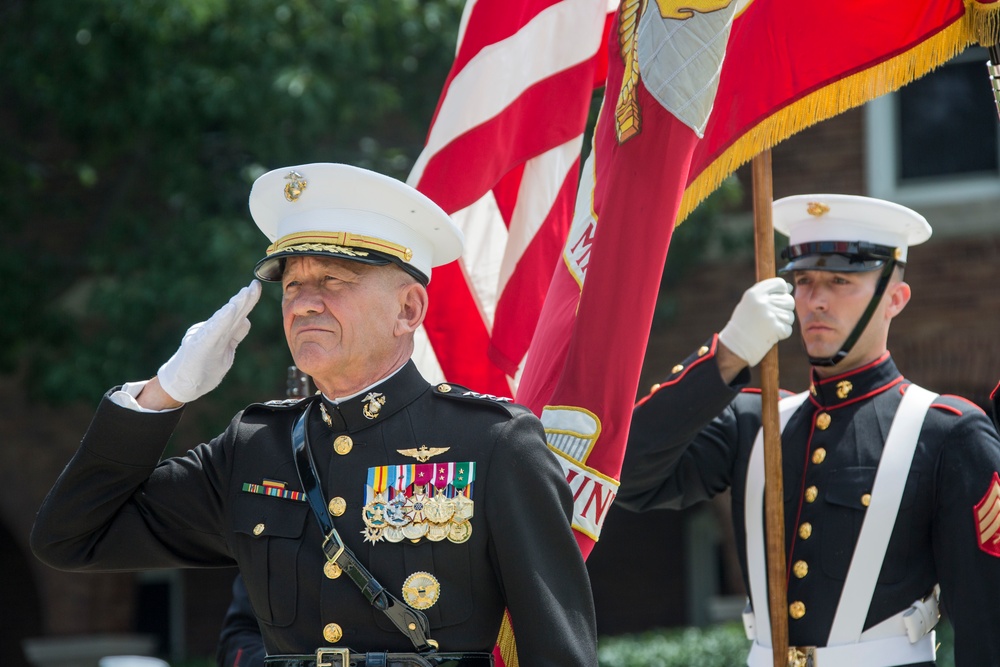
(782, 393)
(948, 408)
(710, 354)
(963, 400)
(994, 392)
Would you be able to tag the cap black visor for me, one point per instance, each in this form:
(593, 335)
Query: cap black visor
(837, 256)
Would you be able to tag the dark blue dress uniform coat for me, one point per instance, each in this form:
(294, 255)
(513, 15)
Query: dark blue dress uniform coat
(115, 507)
(692, 437)
(240, 643)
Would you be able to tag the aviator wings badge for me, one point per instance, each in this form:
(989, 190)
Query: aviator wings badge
(423, 453)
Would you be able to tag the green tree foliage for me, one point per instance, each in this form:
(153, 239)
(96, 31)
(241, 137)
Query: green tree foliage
(701, 235)
(715, 646)
(130, 132)
(722, 645)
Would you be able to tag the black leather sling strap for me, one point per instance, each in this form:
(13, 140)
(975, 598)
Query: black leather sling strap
(411, 622)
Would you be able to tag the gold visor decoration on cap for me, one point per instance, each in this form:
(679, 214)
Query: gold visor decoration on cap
(295, 185)
(322, 247)
(344, 243)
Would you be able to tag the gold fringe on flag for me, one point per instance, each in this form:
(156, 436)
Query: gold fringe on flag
(985, 17)
(838, 97)
(505, 642)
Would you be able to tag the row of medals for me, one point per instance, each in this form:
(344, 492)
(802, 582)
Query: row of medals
(436, 517)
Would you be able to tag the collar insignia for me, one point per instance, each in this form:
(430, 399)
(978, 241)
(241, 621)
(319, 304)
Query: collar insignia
(844, 388)
(373, 403)
(326, 415)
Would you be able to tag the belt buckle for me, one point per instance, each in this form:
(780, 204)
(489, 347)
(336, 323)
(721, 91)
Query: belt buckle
(323, 653)
(801, 656)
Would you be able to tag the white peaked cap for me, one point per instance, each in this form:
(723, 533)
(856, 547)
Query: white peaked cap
(343, 211)
(844, 223)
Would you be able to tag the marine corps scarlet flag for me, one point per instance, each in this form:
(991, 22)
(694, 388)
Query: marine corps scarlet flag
(583, 365)
(792, 64)
(694, 90)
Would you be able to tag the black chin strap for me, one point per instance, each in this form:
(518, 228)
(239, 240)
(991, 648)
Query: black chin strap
(859, 328)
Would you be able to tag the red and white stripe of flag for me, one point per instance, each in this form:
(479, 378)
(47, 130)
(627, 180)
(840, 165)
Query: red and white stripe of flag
(502, 157)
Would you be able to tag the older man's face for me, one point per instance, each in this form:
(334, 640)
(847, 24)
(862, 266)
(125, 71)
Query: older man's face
(339, 319)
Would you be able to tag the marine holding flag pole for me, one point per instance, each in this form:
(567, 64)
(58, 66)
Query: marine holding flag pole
(993, 65)
(774, 510)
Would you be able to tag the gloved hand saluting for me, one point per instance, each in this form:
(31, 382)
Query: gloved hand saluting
(208, 348)
(762, 317)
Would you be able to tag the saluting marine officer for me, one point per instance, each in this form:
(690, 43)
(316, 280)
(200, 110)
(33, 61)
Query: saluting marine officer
(890, 491)
(383, 521)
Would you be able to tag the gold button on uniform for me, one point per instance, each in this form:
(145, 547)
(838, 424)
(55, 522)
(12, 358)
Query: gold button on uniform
(332, 570)
(444, 388)
(677, 369)
(703, 350)
(796, 610)
(343, 444)
(654, 387)
(332, 633)
(811, 494)
(819, 455)
(823, 421)
(258, 529)
(866, 499)
(805, 530)
(337, 506)
(800, 569)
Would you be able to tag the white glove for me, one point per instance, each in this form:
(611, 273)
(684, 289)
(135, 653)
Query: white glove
(762, 317)
(208, 348)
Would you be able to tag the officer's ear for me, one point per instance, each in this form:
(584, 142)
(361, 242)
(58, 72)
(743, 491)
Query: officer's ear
(898, 296)
(412, 308)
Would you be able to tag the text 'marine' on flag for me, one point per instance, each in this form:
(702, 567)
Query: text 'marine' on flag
(694, 90)
(502, 156)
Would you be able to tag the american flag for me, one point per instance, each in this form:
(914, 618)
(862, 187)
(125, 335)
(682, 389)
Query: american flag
(502, 156)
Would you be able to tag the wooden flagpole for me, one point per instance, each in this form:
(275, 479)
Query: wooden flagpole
(774, 512)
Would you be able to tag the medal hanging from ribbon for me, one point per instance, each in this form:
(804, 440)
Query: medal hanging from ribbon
(414, 501)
